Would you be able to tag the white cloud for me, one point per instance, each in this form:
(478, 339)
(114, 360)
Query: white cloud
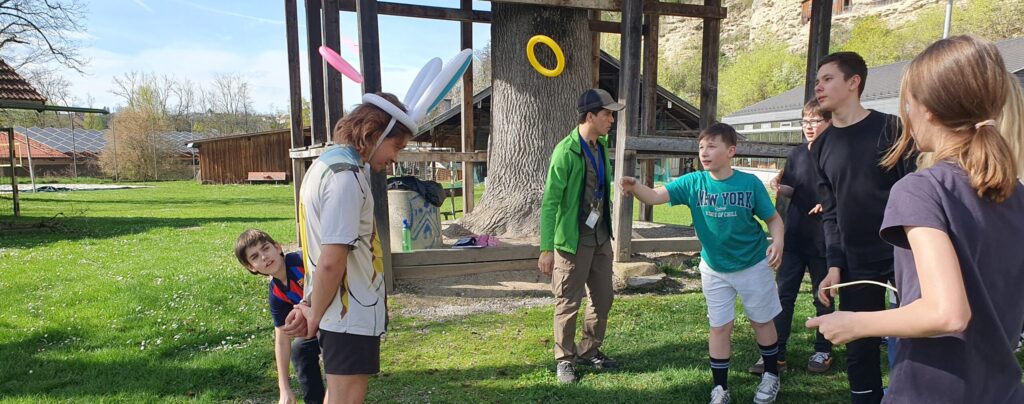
(146, 7)
(230, 13)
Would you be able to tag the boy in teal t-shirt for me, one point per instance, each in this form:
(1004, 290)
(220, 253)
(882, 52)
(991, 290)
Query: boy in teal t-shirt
(736, 258)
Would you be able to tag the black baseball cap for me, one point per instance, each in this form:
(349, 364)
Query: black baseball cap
(595, 98)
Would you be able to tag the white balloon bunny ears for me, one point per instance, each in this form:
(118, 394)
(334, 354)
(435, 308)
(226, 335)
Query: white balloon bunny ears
(428, 89)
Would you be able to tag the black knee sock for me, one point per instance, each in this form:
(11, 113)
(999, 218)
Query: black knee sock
(770, 354)
(720, 372)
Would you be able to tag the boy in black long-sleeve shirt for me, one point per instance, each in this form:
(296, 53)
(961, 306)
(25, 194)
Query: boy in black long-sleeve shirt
(854, 190)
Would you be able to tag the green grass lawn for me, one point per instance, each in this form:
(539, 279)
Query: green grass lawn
(135, 296)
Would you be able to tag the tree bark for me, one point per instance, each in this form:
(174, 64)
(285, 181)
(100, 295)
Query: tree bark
(530, 113)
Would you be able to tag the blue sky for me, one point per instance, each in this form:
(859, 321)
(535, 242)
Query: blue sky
(197, 39)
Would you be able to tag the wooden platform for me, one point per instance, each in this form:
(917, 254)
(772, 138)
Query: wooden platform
(440, 263)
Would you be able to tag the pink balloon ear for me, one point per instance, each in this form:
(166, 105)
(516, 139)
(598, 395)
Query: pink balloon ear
(332, 58)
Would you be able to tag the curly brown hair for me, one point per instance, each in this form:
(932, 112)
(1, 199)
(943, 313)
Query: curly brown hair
(363, 126)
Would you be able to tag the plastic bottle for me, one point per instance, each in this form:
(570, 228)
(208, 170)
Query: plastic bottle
(406, 236)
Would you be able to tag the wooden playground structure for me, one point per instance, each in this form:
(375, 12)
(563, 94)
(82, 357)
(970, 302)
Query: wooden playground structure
(635, 143)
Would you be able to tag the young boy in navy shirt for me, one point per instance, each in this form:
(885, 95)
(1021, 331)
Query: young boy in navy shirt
(261, 255)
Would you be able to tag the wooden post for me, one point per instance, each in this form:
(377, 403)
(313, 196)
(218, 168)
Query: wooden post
(314, 38)
(629, 122)
(817, 47)
(709, 67)
(369, 50)
(14, 177)
(468, 130)
(648, 106)
(332, 38)
(595, 52)
(291, 27)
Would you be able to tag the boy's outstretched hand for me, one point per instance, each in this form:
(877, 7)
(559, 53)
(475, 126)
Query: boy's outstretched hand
(626, 184)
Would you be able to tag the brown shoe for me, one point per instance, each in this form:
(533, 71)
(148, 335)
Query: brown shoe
(820, 362)
(758, 368)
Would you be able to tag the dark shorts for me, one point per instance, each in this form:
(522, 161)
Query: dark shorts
(350, 354)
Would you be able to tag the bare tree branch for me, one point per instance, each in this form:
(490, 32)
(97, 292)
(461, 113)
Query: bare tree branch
(40, 31)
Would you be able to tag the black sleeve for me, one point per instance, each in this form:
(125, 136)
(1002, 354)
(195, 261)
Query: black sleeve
(787, 170)
(835, 256)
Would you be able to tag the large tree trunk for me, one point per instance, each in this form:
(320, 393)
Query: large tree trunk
(530, 113)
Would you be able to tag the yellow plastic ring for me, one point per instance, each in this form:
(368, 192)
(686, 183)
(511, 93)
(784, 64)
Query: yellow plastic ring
(559, 56)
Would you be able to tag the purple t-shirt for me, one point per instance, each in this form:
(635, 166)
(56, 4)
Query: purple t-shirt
(978, 365)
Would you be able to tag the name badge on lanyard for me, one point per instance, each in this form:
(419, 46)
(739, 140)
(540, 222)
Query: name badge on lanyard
(595, 206)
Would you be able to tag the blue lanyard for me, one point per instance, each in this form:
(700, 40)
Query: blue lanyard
(598, 168)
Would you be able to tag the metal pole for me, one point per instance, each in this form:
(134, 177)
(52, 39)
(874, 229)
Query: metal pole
(949, 19)
(14, 176)
(74, 147)
(31, 169)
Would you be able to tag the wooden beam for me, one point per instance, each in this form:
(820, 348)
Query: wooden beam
(688, 145)
(818, 39)
(649, 7)
(685, 10)
(468, 130)
(441, 271)
(609, 5)
(595, 48)
(674, 244)
(369, 50)
(610, 27)
(332, 77)
(313, 152)
(629, 122)
(291, 27)
(314, 38)
(473, 157)
(460, 256)
(709, 68)
(649, 100)
(429, 12)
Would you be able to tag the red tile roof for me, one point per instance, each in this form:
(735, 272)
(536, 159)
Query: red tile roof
(13, 87)
(39, 150)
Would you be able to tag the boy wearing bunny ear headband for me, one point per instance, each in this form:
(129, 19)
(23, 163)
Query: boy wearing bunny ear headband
(345, 298)
(575, 227)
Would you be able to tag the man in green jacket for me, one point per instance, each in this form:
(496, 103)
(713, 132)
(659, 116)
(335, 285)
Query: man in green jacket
(575, 228)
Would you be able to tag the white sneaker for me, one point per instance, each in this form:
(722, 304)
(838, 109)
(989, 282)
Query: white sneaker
(720, 395)
(768, 389)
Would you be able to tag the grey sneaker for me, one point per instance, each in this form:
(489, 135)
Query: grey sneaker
(599, 361)
(720, 395)
(820, 362)
(768, 389)
(566, 372)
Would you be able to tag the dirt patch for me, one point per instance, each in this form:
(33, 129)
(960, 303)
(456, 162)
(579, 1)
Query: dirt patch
(506, 291)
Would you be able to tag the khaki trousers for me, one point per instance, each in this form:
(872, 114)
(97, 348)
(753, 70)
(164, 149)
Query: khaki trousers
(588, 272)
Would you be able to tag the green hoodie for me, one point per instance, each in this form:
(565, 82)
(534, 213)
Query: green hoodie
(560, 208)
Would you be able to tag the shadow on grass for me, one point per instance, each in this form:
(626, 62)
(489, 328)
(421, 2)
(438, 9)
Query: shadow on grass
(77, 228)
(672, 373)
(41, 364)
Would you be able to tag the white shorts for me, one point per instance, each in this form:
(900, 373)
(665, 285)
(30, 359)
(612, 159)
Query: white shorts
(755, 286)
